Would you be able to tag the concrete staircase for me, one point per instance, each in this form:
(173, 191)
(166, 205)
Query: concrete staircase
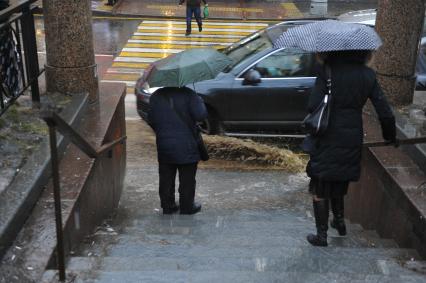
(237, 246)
(252, 228)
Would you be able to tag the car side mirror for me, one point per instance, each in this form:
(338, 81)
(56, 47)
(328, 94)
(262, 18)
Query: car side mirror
(252, 77)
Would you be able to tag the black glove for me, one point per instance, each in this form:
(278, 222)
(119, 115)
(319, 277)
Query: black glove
(388, 129)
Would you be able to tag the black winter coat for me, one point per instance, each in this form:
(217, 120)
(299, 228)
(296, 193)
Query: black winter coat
(337, 154)
(175, 141)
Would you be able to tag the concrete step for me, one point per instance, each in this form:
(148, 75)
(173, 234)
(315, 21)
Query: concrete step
(214, 215)
(101, 242)
(255, 228)
(316, 264)
(234, 277)
(163, 250)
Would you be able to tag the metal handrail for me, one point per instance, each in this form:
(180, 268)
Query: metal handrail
(55, 122)
(17, 27)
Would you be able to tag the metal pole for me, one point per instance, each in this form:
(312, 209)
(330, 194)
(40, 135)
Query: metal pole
(57, 198)
(31, 57)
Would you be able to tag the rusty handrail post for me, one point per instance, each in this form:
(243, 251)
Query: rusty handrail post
(55, 122)
(57, 200)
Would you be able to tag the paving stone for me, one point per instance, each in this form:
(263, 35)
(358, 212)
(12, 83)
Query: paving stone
(236, 277)
(319, 264)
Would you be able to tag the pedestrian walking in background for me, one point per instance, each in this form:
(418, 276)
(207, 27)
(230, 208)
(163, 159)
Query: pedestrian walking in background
(335, 156)
(172, 112)
(193, 7)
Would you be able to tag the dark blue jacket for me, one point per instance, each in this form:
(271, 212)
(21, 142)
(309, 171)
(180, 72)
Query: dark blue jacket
(175, 141)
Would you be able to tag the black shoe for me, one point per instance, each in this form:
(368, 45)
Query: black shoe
(187, 33)
(317, 240)
(200, 28)
(196, 207)
(171, 210)
(338, 223)
(321, 222)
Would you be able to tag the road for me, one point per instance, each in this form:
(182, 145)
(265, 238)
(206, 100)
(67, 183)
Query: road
(124, 47)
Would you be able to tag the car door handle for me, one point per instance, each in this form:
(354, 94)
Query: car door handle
(302, 88)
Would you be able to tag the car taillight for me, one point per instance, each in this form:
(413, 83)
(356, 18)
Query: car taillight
(139, 85)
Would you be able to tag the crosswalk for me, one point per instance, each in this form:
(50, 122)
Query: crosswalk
(156, 39)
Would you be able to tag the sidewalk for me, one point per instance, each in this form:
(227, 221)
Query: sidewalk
(245, 10)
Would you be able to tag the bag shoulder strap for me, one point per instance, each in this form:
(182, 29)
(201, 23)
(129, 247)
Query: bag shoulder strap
(181, 116)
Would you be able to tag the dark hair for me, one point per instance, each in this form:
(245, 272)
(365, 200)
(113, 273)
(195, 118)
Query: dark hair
(352, 56)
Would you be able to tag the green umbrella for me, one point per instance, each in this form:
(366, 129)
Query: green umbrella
(189, 66)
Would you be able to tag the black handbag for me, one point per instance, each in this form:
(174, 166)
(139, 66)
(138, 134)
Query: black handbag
(316, 122)
(202, 149)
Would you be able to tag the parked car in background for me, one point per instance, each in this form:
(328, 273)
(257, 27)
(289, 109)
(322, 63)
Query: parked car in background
(368, 17)
(264, 89)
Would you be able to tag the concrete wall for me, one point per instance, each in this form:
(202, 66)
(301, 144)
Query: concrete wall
(390, 197)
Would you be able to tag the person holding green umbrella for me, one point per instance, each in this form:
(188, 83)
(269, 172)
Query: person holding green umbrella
(174, 111)
(177, 150)
(193, 7)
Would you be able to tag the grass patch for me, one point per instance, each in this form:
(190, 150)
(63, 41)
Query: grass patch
(35, 127)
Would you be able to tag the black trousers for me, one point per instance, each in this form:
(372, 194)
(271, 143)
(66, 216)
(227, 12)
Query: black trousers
(187, 184)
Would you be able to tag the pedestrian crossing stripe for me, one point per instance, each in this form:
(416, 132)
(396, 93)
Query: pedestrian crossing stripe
(154, 40)
(152, 50)
(188, 43)
(190, 39)
(132, 65)
(175, 45)
(182, 31)
(144, 54)
(128, 83)
(118, 70)
(211, 8)
(130, 90)
(196, 35)
(135, 59)
(291, 10)
(121, 77)
(205, 29)
(255, 25)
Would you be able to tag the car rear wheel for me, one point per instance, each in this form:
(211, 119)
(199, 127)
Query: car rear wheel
(212, 125)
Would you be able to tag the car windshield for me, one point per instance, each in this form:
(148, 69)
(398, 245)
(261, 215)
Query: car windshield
(247, 47)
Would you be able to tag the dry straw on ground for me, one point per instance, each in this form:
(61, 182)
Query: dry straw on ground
(248, 151)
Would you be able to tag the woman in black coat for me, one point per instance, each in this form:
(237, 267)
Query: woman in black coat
(335, 157)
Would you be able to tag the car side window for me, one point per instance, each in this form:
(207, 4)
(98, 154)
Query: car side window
(285, 63)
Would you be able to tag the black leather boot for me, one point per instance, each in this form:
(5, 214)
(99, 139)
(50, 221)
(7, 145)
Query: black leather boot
(338, 222)
(321, 221)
